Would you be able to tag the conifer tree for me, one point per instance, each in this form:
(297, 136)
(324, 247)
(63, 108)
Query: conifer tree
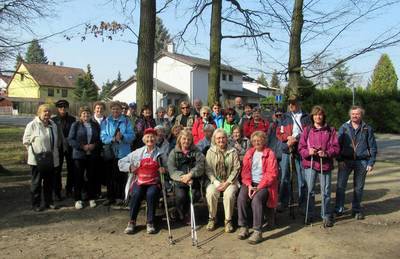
(384, 78)
(35, 53)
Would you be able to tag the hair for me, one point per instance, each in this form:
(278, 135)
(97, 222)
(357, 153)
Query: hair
(236, 127)
(318, 109)
(357, 107)
(42, 108)
(247, 105)
(205, 108)
(145, 107)
(209, 127)
(171, 106)
(114, 104)
(84, 109)
(217, 103)
(100, 103)
(160, 109)
(257, 109)
(230, 111)
(217, 131)
(260, 134)
(159, 127)
(186, 103)
(124, 105)
(184, 133)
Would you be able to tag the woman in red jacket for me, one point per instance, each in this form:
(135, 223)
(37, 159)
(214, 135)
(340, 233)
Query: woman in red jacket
(255, 123)
(200, 124)
(259, 186)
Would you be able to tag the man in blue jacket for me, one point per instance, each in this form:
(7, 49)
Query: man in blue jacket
(357, 153)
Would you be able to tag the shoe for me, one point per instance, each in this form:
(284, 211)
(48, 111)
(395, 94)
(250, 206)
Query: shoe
(255, 237)
(130, 228)
(187, 219)
(229, 227)
(243, 233)
(150, 229)
(92, 204)
(310, 220)
(358, 215)
(211, 224)
(78, 205)
(51, 207)
(328, 222)
(37, 208)
(108, 202)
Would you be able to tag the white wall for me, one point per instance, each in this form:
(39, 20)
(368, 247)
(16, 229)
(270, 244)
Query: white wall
(255, 87)
(236, 84)
(2, 84)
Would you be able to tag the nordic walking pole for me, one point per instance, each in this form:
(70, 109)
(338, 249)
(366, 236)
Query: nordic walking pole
(322, 193)
(308, 191)
(292, 171)
(192, 218)
(171, 241)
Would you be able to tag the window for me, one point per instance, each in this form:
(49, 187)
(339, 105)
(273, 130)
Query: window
(50, 92)
(64, 93)
(231, 78)
(58, 91)
(223, 77)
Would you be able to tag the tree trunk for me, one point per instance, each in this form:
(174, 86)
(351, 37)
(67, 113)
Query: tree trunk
(295, 49)
(215, 52)
(147, 28)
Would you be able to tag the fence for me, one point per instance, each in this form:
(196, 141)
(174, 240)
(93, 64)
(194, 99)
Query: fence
(6, 110)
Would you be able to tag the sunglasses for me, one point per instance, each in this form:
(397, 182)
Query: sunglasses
(206, 113)
(229, 114)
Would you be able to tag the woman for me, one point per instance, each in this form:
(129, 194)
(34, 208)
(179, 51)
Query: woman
(217, 114)
(259, 186)
(145, 121)
(42, 140)
(174, 136)
(161, 120)
(222, 169)
(319, 143)
(229, 121)
(101, 179)
(84, 138)
(241, 144)
(256, 123)
(117, 135)
(201, 123)
(171, 114)
(145, 163)
(186, 167)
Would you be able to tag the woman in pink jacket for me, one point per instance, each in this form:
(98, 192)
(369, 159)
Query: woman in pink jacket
(259, 186)
(318, 146)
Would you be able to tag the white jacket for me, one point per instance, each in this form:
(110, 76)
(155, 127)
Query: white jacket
(36, 135)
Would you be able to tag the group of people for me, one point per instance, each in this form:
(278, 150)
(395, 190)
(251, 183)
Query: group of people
(235, 152)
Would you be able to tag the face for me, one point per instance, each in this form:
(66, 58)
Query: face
(185, 109)
(149, 140)
(247, 110)
(45, 115)
(205, 114)
(277, 116)
(208, 134)
(132, 111)
(293, 107)
(170, 112)
(229, 117)
(124, 110)
(256, 115)
(318, 118)
(160, 135)
(257, 143)
(99, 110)
(85, 116)
(356, 116)
(238, 102)
(62, 111)
(161, 114)
(221, 140)
(197, 104)
(236, 134)
(116, 111)
(176, 131)
(185, 142)
(147, 113)
(216, 109)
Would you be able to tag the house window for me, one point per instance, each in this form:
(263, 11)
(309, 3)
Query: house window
(50, 92)
(223, 77)
(231, 78)
(58, 91)
(64, 93)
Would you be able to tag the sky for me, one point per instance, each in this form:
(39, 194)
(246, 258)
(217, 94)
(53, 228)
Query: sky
(107, 58)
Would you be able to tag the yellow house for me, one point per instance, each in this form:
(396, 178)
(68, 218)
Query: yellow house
(44, 83)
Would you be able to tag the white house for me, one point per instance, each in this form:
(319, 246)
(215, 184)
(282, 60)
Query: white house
(255, 86)
(4, 80)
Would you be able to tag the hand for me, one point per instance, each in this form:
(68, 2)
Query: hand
(369, 168)
(312, 151)
(85, 147)
(291, 141)
(118, 136)
(252, 191)
(186, 178)
(222, 187)
(321, 153)
(162, 170)
(91, 147)
(132, 168)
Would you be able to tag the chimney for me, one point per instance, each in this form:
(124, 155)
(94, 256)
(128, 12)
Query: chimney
(53, 63)
(171, 47)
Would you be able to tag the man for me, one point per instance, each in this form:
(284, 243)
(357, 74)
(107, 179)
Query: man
(197, 104)
(64, 121)
(246, 116)
(357, 153)
(289, 130)
(239, 109)
(185, 118)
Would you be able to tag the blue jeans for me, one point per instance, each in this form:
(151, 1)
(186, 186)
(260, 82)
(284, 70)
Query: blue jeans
(360, 172)
(151, 193)
(284, 185)
(325, 181)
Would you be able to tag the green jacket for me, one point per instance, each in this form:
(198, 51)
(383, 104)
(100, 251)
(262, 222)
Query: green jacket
(231, 165)
(179, 164)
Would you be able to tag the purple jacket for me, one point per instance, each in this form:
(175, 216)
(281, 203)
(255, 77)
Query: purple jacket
(325, 139)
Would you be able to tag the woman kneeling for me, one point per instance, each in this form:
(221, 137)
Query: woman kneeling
(146, 163)
(260, 186)
(222, 169)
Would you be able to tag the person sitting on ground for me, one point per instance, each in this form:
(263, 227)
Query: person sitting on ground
(319, 143)
(186, 167)
(205, 143)
(222, 169)
(200, 124)
(217, 114)
(229, 121)
(146, 163)
(241, 144)
(185, 118)
(259, 186)
(256, 123)
(84, 138)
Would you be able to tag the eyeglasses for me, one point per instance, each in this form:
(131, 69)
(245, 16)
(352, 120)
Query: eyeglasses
(206, 113)
(278, 115)
(229, 114)
(183, 108)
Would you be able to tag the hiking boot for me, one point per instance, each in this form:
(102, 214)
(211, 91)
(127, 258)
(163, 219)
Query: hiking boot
(243, 233)
(130, 228)
(150, 229)
(211, 224)
(228, 227)
(328, 222)
(78, 205)
(358, 215)
(92, 204)
(255, 237)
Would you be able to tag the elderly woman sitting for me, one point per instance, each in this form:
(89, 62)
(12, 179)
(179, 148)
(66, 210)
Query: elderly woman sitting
(186, 167)
(259, 185)
(145, 163)
(222, 169)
